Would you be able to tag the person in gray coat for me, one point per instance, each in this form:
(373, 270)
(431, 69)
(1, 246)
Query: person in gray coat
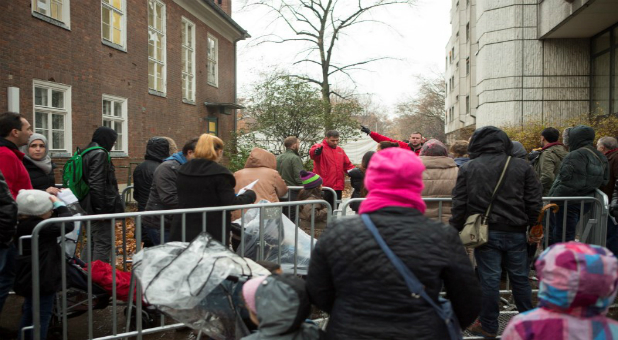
(279, 305)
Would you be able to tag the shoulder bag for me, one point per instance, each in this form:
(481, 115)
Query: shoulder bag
(476, 231)
(443, 307)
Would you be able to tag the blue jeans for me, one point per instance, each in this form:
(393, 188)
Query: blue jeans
(513, 248)
(557, 220)
(47, 305)
(7, 271)
(612, 236)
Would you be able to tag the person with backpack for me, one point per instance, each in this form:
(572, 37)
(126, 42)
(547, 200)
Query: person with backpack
(102, 197)
(547, 160)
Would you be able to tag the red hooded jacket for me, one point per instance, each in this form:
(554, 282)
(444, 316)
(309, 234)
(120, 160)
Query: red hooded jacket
(379, 138)
(331, 165)
(12, 168)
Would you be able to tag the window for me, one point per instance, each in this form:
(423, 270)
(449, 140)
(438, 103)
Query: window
(467, 31)
(212, 126)
(113, 22)
(188, 60)
(468, 105)
(453, 52)
(213, 58)
(52, 115)
(604, 78)
(468, 66)
(58, 10)
(156, 46)
(115, 117)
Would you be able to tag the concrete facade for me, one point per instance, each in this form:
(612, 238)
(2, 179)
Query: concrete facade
(36, 49)
(533, 60)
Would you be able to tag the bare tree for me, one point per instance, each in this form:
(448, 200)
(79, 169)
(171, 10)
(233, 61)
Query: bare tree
(424, 111)
(319, 24)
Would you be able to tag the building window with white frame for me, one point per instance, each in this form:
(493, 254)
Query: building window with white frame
(115, 117)
(213, 61)
(156, 46)
(188, 60)
(113, 22)
(58, 10)
(52, 115)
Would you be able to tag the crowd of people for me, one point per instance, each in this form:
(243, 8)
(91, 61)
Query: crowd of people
(350, 276)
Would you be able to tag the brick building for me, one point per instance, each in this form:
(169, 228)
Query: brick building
(143, 67)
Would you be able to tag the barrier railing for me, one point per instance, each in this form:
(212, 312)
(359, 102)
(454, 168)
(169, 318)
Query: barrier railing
(266, 213)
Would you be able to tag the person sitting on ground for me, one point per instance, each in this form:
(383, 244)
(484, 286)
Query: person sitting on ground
(415, 144)
(353, 280)
(385, 145)
(459, 149)
(357, 179)
(312, 190)
(39, 165)
(33, 207)
(578, 284)
(279, 306)
(439, 179)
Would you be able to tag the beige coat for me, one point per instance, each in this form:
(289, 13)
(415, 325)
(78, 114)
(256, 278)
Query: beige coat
(439, 179)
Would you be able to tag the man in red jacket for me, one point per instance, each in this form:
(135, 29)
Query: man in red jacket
(331, 163)
(14, 132)
(415, 144)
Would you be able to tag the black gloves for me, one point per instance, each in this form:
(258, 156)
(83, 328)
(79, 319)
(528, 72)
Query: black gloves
(318, 151)
(365, 129)
(251, 194)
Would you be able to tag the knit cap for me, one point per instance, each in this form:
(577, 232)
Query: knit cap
(33, 202)
(248, 292)
(310, 179)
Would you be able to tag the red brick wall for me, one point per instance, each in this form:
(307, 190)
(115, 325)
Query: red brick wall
(31, 48)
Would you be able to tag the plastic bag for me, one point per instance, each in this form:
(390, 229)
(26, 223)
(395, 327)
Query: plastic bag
(279, 238)
(196, 283)
(72, 238)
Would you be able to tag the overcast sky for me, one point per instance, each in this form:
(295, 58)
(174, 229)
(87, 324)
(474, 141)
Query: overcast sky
(416, 41)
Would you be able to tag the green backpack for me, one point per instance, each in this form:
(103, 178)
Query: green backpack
(72, 176)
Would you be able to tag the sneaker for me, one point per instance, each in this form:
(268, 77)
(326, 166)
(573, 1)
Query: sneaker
(477, 330)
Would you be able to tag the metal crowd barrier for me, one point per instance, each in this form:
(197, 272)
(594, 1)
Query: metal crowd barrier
(265, 209)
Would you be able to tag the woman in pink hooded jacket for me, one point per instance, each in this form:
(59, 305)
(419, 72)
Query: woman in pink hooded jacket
(578, 284)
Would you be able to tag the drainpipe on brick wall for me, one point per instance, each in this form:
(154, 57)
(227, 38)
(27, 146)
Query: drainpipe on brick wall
(236, 82)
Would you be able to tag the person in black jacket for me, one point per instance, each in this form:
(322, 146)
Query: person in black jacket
(515, 208)
(157, 150)
(203, 182)
(39, 165)
(164, 195)
(357, 177)
(103, 197)
(35, 206)
(352, 279)
(8, 220)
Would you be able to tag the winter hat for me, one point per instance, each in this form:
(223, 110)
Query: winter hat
(577, 278)
(248, 292)
(433, 147)
(310, 179)
(394, 178)
(33, 202)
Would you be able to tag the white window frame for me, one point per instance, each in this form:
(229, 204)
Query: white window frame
(215, 81)
(186, 76)
(123, 24)
(45, 5)
(47, 109)
(163, 90)
(124, 119)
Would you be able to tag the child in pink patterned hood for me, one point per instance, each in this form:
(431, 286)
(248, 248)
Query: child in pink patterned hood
(578, 284)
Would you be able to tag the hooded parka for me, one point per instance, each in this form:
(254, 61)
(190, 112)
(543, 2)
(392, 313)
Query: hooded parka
(584, 169)
(282, 306)
(100, 175)
(262, 165)
(518, 201)
(547, 166)
(157, 150)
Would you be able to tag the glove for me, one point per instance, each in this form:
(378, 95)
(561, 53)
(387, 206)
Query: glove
(250, 194)
(365, 129)
(318, 151)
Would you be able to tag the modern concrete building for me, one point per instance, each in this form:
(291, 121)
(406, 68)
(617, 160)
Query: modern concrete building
(531, 60)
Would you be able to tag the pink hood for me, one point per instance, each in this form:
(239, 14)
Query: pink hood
(394, 178)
